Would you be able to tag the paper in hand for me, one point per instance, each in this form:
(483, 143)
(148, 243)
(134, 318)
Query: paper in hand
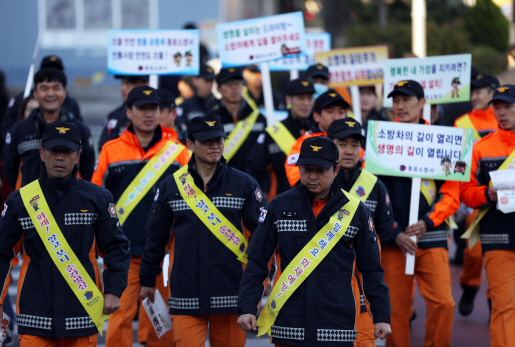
(158, 314)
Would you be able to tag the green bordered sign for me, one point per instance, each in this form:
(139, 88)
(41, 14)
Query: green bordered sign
(413, 150)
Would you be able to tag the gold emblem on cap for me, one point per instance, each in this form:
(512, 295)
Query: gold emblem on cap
(479, 77)
(350, 123)
(315, 148)
(332, 95)
(211, 124)
(147, 92)
(62, 130)
(502, 89)
(320, 66)
(305, 83)
(401, 83)
(231, 70)
(209, 69)
(53, 58)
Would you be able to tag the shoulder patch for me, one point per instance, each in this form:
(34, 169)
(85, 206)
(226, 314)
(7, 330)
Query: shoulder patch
(157, 195)
(258, 194)
(370, 224)
(112, 210)
(292, 159)
(8, 139)
(261, 139)
(4, 210)
(11, 103)
(387, 198)
(262, 216)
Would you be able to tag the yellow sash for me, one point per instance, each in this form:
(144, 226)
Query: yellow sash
(62, 254)
(363, 185)
(472, 232)
(466, 122)
(281, 136)
(239, 135)
(146, 179)
(428, 189)
(305, 262)
(212, 218)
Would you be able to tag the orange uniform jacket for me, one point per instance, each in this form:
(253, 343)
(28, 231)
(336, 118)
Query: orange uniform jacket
(483, 120)
(497, 229)
(119, 163)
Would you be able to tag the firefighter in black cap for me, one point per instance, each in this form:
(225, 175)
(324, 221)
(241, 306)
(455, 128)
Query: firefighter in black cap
(62, 222)
(324, 233)
(206, 203)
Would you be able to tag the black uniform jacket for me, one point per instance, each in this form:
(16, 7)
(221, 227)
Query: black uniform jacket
(266, 151)
(378, 202)
(399, 189)
(239, 160)
(22, 144)
(114, 125)
(195, 106)
(322, 311)
(205, 276)
(47, 306)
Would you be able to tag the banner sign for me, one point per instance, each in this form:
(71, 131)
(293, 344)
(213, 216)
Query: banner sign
(415, 150)
(320, 42)
(445, 78)
(359, 66)
(259, 40)
(153, 52)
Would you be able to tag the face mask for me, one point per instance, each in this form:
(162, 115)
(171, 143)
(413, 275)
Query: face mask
(320, 89)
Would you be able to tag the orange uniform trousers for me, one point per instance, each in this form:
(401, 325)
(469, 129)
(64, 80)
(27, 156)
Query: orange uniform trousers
(191, 331)
(119, 330)
(500, 273)
(434, 282)
(38, 341)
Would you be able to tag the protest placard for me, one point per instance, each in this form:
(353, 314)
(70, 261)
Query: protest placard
(357, 66)
(153, 52)
(259, 40)
(414, 150)
(445, 79)
(315, 42)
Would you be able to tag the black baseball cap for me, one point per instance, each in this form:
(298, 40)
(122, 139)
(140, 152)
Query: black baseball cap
(166, 98)
(328, 98)
(207, 72)
(318, 70)
(61, 134)
(407, 87)
(252, 68)
(228, 74)
(342, 128)
(483, 81)
(206, 127)
(300, 86)
(504, 93)
(52, 61)
(143, 95)
(318, 150)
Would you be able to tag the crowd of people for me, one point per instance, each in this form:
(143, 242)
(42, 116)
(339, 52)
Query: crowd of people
(245, 210)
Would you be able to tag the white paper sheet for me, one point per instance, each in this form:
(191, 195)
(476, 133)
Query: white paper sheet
(158, 314)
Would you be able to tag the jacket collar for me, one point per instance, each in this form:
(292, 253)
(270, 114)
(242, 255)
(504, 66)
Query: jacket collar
(130, 136)
(337, 200)
(295, 126)
(192, 169)
(355, 172)
(507, 136)
(57, 186)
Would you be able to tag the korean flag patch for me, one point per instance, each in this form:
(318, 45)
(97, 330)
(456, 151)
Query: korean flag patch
(157, 195)
(262, 216)
(4, 210)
